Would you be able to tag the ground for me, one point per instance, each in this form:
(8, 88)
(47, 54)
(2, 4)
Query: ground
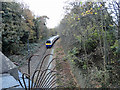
(66, 78)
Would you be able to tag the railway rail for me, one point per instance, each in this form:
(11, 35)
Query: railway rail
(43, 75)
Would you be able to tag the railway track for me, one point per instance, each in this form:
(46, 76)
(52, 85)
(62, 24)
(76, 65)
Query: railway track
(39, 69)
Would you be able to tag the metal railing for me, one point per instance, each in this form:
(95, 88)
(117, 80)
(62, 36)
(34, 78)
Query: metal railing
(43, 77)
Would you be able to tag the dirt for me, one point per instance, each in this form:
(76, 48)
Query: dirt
(66, 77)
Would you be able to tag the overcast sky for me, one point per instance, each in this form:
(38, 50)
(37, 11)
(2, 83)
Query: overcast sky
(51, 8)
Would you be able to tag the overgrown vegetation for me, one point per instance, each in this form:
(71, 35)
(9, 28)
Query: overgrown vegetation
(90, 37)
(64, 76)
(20, 27)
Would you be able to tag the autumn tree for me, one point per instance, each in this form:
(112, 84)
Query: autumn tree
(40, 27)
(114, 8)
(20, 26)
(89, 39)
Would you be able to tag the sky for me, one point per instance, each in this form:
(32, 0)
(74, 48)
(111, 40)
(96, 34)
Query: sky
(51, 8)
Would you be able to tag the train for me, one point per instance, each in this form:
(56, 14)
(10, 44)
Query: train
(49, 43)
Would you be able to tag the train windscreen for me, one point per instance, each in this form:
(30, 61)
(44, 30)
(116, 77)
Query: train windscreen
(48, 41)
